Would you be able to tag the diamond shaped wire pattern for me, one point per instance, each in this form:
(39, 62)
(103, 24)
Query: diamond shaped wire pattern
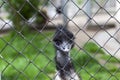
(28, 50)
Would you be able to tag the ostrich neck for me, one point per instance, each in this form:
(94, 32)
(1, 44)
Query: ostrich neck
(63, 61)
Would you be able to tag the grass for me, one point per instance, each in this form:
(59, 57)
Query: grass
(31, 57)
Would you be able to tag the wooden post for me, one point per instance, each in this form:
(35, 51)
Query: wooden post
(88, 10)
(64, 12)
(118, 19)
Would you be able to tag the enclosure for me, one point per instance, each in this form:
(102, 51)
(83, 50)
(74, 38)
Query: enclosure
(27, 28)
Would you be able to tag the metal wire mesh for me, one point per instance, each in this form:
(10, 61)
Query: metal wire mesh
(30, 56)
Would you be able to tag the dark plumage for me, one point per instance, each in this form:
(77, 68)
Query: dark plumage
(64, 41)
(59, 10)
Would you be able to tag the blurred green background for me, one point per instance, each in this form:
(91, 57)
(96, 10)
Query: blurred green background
(27, 54)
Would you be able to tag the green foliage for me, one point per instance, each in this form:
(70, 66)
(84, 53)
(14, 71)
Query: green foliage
(110, 58)
(20, 11)
(80, 1)
(91, 67)
(91, 47)
(23, 7)
(24, 57)
(32, 57)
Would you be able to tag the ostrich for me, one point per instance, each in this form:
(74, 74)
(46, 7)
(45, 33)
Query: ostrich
(63, 42)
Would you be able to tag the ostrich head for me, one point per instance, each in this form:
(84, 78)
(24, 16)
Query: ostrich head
(63, 39)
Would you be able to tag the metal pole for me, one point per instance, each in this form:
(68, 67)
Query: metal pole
(118, 18)
(64, 8)
(88, 10)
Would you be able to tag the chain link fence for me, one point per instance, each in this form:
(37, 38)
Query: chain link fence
(27, 28)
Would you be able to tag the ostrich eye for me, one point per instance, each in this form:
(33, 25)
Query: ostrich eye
(58, 42)
(70, 41)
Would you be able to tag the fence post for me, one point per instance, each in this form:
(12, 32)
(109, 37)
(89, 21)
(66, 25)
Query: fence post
(118, 18)
(88, 10)
(64, 12)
